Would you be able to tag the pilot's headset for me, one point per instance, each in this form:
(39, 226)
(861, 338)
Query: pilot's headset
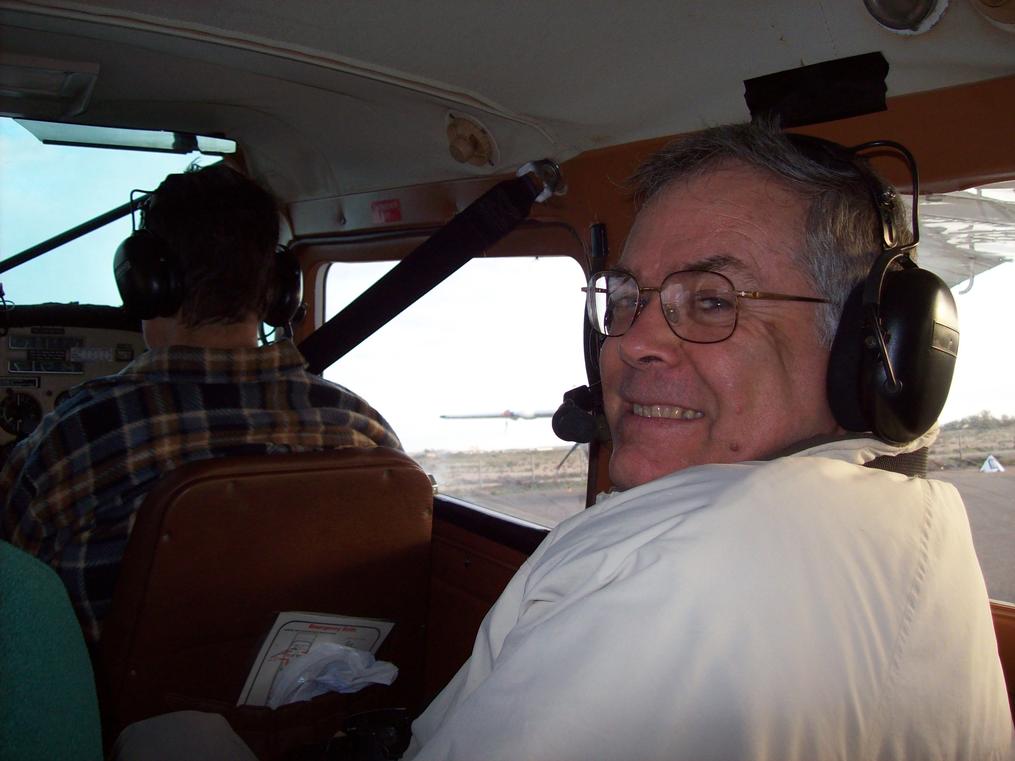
(580, 418)
(149, 274)
(894, 351)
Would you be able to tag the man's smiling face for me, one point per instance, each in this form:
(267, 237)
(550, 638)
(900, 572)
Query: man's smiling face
(672, 404)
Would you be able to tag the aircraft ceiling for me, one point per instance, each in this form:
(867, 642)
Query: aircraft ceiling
(333, 98)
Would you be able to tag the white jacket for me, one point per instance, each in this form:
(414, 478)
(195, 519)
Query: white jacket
(803, 608)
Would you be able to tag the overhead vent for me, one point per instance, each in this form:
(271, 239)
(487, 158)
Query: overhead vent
(470, 142)
(906, 16)
(44, 88)
(1000, 13)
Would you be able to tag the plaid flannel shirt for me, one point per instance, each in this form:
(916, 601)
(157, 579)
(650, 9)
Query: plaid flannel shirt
(69, 491)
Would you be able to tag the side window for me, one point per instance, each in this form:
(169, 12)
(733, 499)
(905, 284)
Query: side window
(975, 450)
(469, 375)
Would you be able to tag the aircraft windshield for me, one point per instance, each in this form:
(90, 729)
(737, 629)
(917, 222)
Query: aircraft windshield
(47, 189)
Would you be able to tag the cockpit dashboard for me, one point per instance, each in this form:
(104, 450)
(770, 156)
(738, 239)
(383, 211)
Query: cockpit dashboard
(48, 349)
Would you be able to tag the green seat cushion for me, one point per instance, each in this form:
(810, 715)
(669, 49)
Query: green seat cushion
(48, 704)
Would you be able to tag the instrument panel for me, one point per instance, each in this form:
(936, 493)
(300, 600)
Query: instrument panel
(47, 350)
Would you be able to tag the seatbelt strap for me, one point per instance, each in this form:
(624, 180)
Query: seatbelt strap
(471, 232)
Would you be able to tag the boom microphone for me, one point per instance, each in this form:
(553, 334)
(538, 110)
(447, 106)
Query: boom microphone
(577, 420)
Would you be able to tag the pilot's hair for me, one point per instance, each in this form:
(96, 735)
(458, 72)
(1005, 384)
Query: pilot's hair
(224, 228)
(842, 235)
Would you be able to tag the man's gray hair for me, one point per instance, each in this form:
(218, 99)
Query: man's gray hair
(842, 235)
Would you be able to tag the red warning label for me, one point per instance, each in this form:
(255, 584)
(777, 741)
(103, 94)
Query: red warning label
(388, 210)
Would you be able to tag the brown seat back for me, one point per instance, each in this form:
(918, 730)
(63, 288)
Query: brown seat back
(221, 546)
(1004, 629)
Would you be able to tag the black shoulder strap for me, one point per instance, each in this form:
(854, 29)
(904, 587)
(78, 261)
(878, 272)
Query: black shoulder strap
(475, 229)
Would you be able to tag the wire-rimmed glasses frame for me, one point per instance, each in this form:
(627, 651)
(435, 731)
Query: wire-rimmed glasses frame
(700, 306)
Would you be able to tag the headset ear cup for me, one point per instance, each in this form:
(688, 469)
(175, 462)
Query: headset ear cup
(919, 317)
(920, 322)
(147, 276)
(287, 289)
(845, 366)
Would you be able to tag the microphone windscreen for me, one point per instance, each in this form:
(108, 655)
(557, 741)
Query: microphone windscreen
(571, 423)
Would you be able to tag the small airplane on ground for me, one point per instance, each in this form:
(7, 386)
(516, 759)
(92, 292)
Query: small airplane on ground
(507, 414)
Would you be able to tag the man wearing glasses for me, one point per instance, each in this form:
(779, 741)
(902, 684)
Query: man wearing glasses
(750, 591)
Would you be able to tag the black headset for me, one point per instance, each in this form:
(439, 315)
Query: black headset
(287, 297)
(149, 276)
(893, 356)
(580, 417)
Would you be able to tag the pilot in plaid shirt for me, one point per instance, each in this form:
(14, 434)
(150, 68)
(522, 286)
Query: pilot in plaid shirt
(71, 489)
(201, 274)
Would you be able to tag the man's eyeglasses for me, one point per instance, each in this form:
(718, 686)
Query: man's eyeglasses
(700, 306)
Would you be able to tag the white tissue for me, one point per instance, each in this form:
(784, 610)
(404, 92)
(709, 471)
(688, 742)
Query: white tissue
(328, 667)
